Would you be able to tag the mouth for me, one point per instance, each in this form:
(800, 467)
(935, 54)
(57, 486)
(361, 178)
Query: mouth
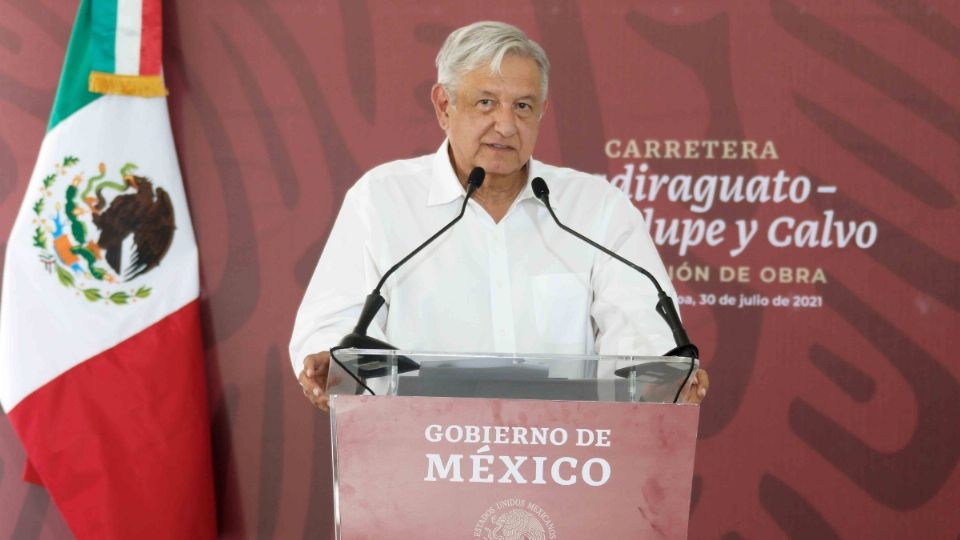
(498, 147)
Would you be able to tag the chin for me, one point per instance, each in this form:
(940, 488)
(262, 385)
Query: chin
(500, 168)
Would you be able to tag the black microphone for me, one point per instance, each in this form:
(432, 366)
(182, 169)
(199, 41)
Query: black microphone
(358, 338)
(664, 307)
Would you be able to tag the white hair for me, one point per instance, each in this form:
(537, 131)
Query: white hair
(486, 43)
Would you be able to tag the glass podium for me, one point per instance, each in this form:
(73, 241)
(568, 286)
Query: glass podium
(453, 445)
(628, 379)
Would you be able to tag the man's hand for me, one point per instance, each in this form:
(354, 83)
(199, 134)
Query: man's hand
(313, 379)
(697, 389)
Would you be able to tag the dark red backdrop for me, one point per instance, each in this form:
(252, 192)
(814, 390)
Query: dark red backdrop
(837, 421)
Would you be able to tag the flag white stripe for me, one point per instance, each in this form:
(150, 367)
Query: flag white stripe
(47, 328)
(129, 32)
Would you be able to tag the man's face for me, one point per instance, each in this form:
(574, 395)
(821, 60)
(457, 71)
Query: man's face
(495, 120)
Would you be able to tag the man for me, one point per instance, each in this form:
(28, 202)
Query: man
(505, 278)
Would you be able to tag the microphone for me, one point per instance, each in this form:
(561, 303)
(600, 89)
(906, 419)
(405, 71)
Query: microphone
(665, 306)
(359, 339)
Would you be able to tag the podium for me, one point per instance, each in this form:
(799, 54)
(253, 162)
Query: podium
(503, 446)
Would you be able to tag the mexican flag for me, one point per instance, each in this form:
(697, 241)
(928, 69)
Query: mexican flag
(101, 356)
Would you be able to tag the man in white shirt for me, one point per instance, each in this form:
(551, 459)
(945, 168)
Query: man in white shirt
(505, 278)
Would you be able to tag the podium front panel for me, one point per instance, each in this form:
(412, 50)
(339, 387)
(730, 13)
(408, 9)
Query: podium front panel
(431, 467)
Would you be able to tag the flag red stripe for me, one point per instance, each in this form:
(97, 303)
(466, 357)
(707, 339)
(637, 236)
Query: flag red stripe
(122, 440)
(151, 37)
(30, 474)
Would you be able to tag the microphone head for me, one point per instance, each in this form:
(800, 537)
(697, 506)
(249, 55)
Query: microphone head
(475, 180)
(540, 189)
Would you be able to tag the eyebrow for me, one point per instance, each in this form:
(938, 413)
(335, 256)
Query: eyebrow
(529, 97)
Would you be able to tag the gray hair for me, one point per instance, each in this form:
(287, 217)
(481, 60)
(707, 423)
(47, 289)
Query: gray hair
(486, 43)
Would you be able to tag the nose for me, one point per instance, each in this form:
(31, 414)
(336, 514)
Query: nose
(504, 121)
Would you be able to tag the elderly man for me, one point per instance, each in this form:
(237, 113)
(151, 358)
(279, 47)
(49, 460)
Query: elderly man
(505, 278)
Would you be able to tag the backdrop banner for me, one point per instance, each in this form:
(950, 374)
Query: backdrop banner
(797, 163)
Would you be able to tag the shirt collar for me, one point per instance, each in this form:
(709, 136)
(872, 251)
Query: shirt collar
(445, 187)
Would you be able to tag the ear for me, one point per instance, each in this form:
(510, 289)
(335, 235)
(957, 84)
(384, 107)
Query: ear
(441, 105)
(546, 107)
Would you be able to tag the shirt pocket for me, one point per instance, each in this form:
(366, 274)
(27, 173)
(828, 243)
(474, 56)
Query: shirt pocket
(561, 306)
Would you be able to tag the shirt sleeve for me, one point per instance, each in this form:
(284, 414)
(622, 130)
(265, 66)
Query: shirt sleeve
(624, 303)
(340, 283)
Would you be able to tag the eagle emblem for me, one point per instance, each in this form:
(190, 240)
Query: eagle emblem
(516, 524)
(99, 232)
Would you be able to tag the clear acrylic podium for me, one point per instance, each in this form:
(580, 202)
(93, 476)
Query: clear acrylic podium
(649, 379)
(450, 445)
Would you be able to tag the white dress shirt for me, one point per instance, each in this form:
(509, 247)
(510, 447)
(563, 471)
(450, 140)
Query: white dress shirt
(522, 285)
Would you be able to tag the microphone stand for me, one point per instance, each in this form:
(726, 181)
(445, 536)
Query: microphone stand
(377, 366)
(665, 306)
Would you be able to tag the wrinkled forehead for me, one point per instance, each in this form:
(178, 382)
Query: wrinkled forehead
(517, 76)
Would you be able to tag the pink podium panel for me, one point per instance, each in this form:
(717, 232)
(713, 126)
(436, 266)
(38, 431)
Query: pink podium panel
(427, 467)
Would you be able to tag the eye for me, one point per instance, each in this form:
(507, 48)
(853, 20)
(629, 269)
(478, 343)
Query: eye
(485, 104)
(523, 108)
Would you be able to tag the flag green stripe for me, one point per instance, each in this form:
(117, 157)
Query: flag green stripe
(72, 93)
(104, 35)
